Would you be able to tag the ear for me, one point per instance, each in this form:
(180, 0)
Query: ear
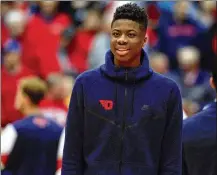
(211, 82)
(27, 100)
(145, 41)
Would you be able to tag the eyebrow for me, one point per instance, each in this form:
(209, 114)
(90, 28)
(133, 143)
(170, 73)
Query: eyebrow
(127, 30)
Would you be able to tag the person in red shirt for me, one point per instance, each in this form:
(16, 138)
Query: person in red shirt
(12, 71)
(42, 38)
(80, 47)
(53, 105)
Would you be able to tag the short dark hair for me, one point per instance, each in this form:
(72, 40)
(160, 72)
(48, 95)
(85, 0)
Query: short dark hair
(132, 12)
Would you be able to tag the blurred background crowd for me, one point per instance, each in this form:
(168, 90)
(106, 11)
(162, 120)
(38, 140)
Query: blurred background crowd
(59, 40)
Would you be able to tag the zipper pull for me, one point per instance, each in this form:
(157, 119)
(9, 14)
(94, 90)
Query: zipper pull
(126, 75)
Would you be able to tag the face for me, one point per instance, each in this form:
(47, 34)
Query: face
(92, 21)
(58, 91)
(48, 7)
(11, 59)
(160, 65)
(181, 8)
(127, 40)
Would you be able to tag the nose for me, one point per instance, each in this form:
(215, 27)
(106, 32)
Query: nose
(122, 40)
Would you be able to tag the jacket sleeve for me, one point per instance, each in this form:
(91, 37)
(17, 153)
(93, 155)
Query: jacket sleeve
(171, 149)
(72, 163)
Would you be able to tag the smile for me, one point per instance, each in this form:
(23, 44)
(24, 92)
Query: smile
(122, 52)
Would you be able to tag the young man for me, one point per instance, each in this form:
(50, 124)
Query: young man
(124, 119)
(199, 139)
(29, 146)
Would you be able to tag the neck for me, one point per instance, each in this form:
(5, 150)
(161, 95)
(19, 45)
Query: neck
(31, 111)
(128, 64)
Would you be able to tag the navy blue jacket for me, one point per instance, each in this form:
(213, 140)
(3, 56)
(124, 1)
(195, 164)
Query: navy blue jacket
(35, 149)
(123, 122)
(200, 146)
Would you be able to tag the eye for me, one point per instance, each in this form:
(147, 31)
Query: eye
(115, 34)
(131, 35)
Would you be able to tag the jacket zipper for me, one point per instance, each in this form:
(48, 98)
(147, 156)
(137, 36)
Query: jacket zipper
(123, 126)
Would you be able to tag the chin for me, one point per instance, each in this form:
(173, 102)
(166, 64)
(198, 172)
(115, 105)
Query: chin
(122, 58)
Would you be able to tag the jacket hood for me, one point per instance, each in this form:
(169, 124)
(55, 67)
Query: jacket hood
(119, 73)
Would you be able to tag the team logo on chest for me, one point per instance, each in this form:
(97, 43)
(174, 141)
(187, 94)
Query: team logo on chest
(107, 104)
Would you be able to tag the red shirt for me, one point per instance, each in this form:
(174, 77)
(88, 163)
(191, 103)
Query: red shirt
(79, 49)
(8, 93)
(42, 41)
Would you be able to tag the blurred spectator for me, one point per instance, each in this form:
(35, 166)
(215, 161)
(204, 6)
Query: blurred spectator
(14, 26)
(205, 14)
(5, 7)
(92, 20)
(15, 23)
(154, 16)
(100, 44)
(53, 105)
(194, 88)
(176, 30)
(197, 10)
(29, 146)
(205, 42)
(189, 63)
(160, 63)
(79, 10)
(80, 46)
(66, 66)
(12, 72)
(43, 37)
